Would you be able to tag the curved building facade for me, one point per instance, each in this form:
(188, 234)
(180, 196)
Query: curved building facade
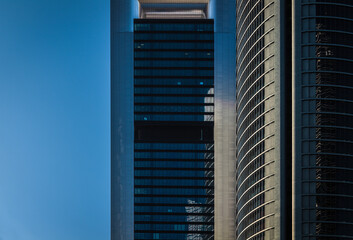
(261, 119)
(323, 119)
(256, 156)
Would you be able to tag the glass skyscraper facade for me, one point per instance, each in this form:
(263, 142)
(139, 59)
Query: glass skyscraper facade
(195, 158)
(294, 108)
(173, 122)
(172, 119)
(323, 87)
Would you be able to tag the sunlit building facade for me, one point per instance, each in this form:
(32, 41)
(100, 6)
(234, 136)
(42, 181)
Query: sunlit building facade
(261, 107)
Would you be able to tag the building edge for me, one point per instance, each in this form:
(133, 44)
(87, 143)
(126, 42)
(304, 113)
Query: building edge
(122, 210)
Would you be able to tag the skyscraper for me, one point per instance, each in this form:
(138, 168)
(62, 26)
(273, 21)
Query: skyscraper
(172, 135)
(173, 121)
(322, 117)
(294, 96)
(261, 112)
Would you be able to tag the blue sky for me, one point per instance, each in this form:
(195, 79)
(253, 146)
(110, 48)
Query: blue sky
(54, 120)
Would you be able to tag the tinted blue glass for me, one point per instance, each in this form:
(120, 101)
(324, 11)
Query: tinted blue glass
(173, 81)
(173, 182)
(173, 36)
(174, 54)
(173, 146)
(173, 63)
(172, 99)
(173, 45)
(173, 90)
(166, 218)
(174, 108)
(171, 209)
(172, 164)
(171, 173)
(172, 191)
(171, 236)
(176, 227)
(149, 117)
(170, 155)
(169, 200)
(173, 72)
(175, 27)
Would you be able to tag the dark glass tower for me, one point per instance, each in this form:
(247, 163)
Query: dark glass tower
(172, 119)
(324, 119)
(173, 122)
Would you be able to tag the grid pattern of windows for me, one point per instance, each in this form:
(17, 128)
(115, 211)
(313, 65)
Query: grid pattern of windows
(174, 146)
(327, 126)
(254, 210)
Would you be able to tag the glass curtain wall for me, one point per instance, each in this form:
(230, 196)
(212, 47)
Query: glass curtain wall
(173, 121)
(326, 94)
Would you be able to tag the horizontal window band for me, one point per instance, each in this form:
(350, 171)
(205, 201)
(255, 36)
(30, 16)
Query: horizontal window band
(174, 113)
(176, 169)
(173, 150)
(163, 123)
(172, 86)
(154, 141)
(177, 184)
(183, 162)
(165, 158)
(174, 213)
(174, 204)
(173, 222)
(173, 50)
(182, 32)
(170, 227)
(167, 21)
(172, 41)
(172, 77)
(176, 150)
(172, 95)
(155, 177)
(169, 118)
(175, 76)
(174, 109)
(173, 160)
(171, 132)
(205, 196)
(174, 232)
(181, 74)
(173, 90)
(175, 36)
(173, 147)
(164, 186)
(176, 68)
(173, 104)
(210, 59)
(157, 101)
(171, 110)
(173, 141)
